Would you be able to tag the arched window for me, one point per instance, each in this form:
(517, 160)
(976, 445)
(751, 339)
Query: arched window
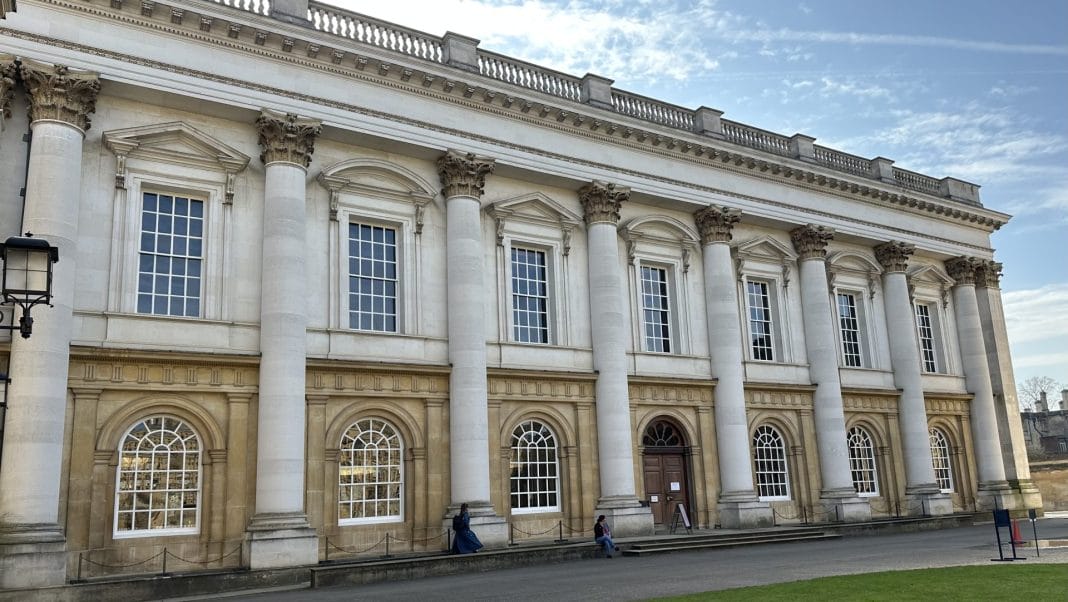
(940, 457)
(158, 479)
(662, 434)
(370, 473)
(769, 464)
(862, 462)
(535, 482)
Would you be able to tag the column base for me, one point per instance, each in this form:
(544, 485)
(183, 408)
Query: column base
(626, 516)
(32, 556)
(743, 510)
(1030, 496)
(491, 529)
(281, 539)
(997, 495)
(845, 507)
(929, 500)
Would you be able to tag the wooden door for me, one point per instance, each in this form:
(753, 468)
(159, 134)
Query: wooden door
(665, 483)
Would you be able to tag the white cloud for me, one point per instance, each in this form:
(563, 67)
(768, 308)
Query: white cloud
(1037, 314)
(859, 38)
(833, 86)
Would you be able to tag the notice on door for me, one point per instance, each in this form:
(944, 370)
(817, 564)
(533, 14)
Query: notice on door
(654, 498)
(676, 486)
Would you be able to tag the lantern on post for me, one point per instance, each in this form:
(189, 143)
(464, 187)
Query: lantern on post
(27, 279)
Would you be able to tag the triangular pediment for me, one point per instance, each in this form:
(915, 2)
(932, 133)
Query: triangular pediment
(379, 178)
(765, 248)
(535, 208)
(929, 274)
(175, 142)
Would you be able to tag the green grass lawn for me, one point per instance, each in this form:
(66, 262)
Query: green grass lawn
(1009, 581)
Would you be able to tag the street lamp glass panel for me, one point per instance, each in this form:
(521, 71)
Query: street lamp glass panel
(27, 270)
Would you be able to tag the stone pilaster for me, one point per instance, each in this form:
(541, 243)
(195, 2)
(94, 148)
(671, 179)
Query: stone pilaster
(32, 547)
(601, 202)
(920, 480)
(838, 495)
(463, 177)
(738, 504)
(993, 487)
(279, 533)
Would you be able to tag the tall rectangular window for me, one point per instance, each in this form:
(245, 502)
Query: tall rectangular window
(530, 296)
(656, 315)
(171, 255)
(758, 300)
(372, 278)
(849, 327)
(925, 330)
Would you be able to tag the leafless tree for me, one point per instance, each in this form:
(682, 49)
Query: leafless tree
(1031, 390)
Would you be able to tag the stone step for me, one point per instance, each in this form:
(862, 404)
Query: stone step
(689, 544)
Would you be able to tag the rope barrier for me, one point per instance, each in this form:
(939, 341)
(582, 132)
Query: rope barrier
(121, 566)
(204, 562)
(420, 540)
(538, 533)
(340, 549)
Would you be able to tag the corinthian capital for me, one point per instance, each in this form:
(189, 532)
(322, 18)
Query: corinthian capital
(715, 223)
(60, 93)
(8, 69)
(988, 274)
(962, 269)
(894, 255)
(287, 137)
(463, 174)
(601, 201)
(810, 241)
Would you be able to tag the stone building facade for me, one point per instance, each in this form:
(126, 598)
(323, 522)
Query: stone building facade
(324, 278)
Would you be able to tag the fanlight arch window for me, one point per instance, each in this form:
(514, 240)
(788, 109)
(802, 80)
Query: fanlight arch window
(370, 473)
(943, 467)
(535, 469)
(157, 488)
(862, 462)
(662, 434)
(769, 464)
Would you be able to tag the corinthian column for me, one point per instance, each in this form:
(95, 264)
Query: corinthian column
(838, 494)
(1003, 383)
(8, 70)
(993, 488)
(279, 533)
(738, 504)
(600, 203)
(463, 176)
(905, 359)
(32, 546)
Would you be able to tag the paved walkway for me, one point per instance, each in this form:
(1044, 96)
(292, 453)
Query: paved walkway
(623, 578)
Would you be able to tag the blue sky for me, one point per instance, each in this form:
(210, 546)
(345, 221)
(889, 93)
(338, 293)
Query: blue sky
(975, 89)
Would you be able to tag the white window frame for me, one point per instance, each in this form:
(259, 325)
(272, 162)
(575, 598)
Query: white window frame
(516, 462)
(863, 465)
(937, 335)
(400, 483)
(671, 294)
(774, 309)
(128, 228)
(552, 301)
(863, 329)
(361, 210)
(170, 277)
(396, 280)
(118, 533)
(760, 463)
(942, 459)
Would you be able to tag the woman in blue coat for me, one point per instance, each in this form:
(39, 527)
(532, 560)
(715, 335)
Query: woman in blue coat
(464, 540)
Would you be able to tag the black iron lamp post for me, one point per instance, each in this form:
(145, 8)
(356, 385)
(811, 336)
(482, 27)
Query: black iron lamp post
(27, 279)
(4, 381)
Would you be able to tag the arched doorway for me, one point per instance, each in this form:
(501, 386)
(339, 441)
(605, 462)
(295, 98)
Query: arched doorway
(664, 467)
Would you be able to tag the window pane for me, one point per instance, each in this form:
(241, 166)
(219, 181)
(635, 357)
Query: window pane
(655, 312)
(760, 320)
(862, 462)
(150, 494)
(530, 315)
(370, 482)
(533, 483)
(162, 255)
(925, 332)
(849, 327)
(769, 464)
(372, 278)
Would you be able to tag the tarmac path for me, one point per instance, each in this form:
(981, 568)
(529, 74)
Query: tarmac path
(634, 578)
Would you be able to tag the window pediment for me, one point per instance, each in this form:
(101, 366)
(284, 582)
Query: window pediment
(537, 209)
(175, 142)
(378, 179)
(765, 249)
(931, 278)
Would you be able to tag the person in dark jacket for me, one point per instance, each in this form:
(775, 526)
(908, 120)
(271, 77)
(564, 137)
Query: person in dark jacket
(464, 539)
(603, 536)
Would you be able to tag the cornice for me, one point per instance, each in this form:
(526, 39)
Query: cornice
(443, 83)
